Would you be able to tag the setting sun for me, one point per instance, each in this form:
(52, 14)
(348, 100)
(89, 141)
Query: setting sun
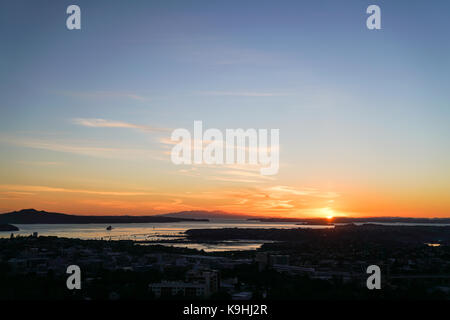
(328, 213)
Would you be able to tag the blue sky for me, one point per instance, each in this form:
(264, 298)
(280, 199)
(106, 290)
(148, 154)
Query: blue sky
(354, 107)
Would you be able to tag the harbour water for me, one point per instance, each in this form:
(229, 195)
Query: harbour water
(156, 232)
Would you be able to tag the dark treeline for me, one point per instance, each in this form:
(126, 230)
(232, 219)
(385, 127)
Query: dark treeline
(368, 233)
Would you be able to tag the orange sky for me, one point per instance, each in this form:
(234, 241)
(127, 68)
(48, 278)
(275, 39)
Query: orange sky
(64, 178)
(236, 192)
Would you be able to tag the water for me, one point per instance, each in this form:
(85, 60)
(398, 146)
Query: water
(155, 232)
(229, 245)
(165, 231)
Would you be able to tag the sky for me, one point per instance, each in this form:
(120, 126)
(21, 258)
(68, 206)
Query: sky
(86, 115)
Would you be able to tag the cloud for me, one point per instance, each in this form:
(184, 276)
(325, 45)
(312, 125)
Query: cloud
(290, 190)
(238, 175)
(231, 179)
(41, 163)
(102, 123)
(241, 93)
(82, 148)
(106, 95)
(288, 201)
(29, 188)
(87, 147)
(311, 192)
(171, 196)
(278, 199)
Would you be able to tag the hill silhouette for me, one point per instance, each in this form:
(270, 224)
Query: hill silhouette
(33, 216)
(202, 214)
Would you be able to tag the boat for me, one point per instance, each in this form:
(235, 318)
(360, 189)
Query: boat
(109, 228)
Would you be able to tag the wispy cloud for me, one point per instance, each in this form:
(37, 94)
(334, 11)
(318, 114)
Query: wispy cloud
(86, 148)
(288, 201)
(25, 189)
(238, 175)
(17, 189)
(103, 123)
(285, 190)
(291, 191)
(233, 179)
(242, 93)
(41, 163)
(106, 95)
(278, 199)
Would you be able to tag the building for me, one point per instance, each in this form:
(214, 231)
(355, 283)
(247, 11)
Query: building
(206, 276)
(262, 258)
(279, 259)
(266, 260)
(164, 289)
(244, 295)
(293, 269)
(199, 283)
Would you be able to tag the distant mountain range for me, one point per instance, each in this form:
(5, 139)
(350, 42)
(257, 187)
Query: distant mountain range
(208, 215)
(32, 216)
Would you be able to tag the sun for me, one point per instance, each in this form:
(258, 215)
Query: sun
(328, 213)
